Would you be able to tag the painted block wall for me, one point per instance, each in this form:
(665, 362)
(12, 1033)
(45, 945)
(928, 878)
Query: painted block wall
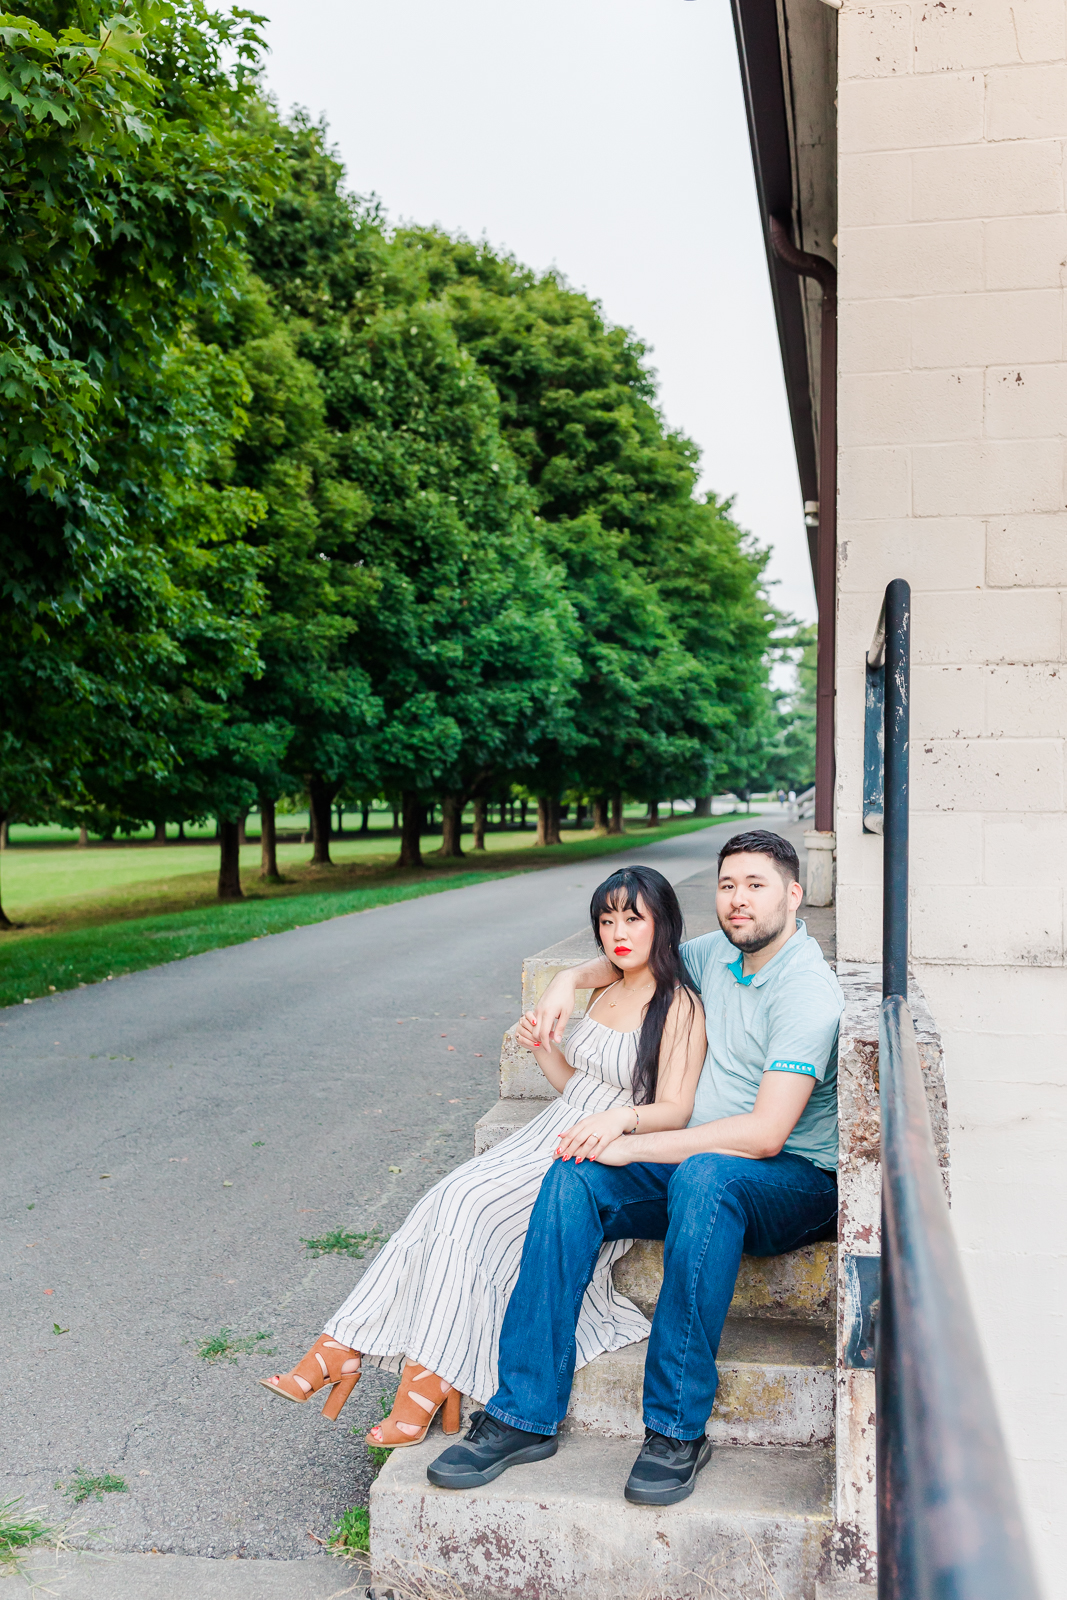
(952, 253)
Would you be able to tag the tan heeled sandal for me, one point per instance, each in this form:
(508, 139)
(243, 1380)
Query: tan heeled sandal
(322, 1365)
(417, 1409)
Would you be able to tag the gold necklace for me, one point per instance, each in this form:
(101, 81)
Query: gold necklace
(636, 990)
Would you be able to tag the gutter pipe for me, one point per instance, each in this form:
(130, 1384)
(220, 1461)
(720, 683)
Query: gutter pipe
(825, 274)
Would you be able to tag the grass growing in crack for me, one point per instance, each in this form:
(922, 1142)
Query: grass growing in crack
(19, 1532)
(352, 1531)
(226, 1346)
(378, 1453)
(85, 1485)
(340, 1243)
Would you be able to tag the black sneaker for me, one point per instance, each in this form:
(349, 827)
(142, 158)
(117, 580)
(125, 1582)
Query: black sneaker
(666, 1470)
(488, 1449)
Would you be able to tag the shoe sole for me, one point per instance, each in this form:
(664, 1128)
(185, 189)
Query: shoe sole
(670, 1496)
(474, 1480)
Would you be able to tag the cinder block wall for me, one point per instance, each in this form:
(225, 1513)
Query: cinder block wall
(953, 416)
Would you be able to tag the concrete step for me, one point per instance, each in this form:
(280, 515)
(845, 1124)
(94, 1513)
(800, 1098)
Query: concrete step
(776, 1387)
(758, 1523)
(800, 1286)
(504, 1119)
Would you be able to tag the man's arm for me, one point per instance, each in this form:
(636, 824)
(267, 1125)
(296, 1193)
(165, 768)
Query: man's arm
(757, 1134)
(552, 1012)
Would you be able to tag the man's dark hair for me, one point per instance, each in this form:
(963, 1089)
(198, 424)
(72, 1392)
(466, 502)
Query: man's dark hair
(761, 843)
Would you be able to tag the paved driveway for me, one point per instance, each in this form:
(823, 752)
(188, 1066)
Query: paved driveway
(167, 1139)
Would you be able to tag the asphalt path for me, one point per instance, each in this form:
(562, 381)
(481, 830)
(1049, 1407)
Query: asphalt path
(166, 1142)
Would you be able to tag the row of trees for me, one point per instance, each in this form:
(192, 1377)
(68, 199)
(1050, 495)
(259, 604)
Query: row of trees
(293, 501)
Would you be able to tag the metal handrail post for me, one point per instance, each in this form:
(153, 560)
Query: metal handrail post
(895, 802)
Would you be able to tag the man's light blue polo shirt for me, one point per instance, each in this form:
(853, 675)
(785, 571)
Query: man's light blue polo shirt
(783, 1018)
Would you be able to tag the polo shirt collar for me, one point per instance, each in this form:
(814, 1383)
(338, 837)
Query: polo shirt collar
(734, 959)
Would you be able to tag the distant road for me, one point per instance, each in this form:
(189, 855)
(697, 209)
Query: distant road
(167, 1139)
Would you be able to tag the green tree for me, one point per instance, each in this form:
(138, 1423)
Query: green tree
(674, 625)
(130, 157)
(448, 625)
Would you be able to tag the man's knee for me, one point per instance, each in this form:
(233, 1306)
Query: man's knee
(567, 1185)
(700, 1174)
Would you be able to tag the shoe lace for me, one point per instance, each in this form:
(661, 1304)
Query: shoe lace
(484, 1426)
(663, 1446)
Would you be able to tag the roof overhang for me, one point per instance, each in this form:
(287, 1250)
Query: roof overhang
(788, 55)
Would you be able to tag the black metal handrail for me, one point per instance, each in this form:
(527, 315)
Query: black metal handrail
(949, 1526)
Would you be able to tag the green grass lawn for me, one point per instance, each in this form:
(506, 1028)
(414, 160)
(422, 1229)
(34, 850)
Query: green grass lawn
(90, 915)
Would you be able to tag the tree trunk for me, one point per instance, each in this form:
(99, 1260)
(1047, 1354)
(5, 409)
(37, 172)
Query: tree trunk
(522, 813)
(702, 806)
(242, 828)
(653, 814)
(4, 834)
(340, 821)
(543, 824)
(481, 807)
(160, 835)
(410, 845)
(364, 821)
(600, 813)
(229, 861)
(396, 820)
(547, 819)
(268, 842)
(616, 811)
(5, 921)
(181, 832)
(83, 837)
(451, 824)
(321, 806)
(579, 815)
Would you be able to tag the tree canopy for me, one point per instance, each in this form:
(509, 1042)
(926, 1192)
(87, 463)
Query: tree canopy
(297, 503)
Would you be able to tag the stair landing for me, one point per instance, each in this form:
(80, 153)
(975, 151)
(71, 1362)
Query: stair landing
(561, 1527)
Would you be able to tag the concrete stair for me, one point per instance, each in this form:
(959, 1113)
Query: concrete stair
(760, 1520)
(756, 1524)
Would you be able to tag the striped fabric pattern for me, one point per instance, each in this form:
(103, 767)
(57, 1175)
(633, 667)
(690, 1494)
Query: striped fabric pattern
(437, 1291)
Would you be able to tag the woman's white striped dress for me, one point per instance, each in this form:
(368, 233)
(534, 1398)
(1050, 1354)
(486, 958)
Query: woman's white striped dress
(437, 1291)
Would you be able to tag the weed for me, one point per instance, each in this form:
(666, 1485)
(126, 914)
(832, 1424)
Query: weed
(380, 1454)
(340, 1243)
(85, 1484)
(352, 1532)
(229, 1347)
(19, 1531)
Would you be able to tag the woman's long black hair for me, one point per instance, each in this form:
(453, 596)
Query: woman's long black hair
(619, 893)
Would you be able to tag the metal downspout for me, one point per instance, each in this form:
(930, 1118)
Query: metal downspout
(825, 274)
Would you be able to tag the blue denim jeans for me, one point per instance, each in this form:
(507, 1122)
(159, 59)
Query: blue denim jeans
(709, 1209)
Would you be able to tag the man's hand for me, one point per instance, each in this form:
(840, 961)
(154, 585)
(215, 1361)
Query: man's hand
(620, 1152)
(588, 1138)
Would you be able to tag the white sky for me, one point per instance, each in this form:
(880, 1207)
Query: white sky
(606, 138)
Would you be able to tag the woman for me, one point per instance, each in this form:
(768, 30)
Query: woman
(437, 1292)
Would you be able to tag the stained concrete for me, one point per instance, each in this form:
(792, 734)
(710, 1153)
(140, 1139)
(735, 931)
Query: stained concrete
(562, 1527)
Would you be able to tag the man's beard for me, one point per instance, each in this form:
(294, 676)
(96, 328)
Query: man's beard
(761, 935)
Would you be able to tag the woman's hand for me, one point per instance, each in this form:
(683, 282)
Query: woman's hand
(527, 1033)
(589, 1138)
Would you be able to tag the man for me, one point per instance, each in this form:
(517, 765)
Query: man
(754, 1171)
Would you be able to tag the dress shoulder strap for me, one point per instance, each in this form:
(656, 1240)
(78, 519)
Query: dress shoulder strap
(601, 995)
